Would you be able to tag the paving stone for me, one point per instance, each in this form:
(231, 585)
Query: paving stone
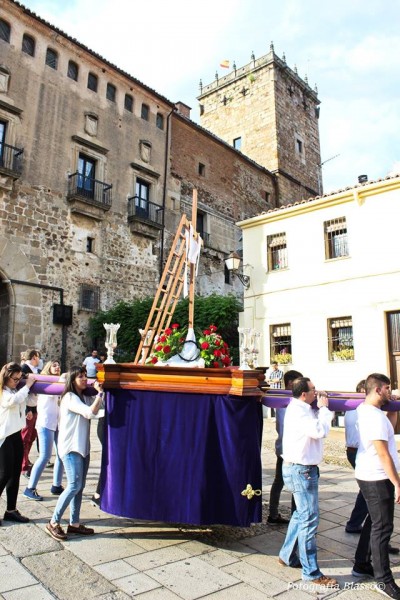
(117, 595)
(241, 591)
(33, 592)
(257, 577)
(192, 578)
(115, 569)
(102, 548)
(26, 539)
(67, 577)
(218, 558)
(157, 558)
(136, 584)
(158, 594)
(13, 575)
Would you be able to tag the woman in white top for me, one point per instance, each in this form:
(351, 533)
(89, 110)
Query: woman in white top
(48, 411)
(12, 420)
(74, 450)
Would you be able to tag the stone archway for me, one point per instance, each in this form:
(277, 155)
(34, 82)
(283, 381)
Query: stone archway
(19, 305)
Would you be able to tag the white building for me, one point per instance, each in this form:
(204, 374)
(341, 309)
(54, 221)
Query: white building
(325, 284)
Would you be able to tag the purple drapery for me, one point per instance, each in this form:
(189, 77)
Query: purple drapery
(338, 401)
(181, 458)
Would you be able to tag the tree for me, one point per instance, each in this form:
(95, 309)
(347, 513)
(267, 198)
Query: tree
(222, 311)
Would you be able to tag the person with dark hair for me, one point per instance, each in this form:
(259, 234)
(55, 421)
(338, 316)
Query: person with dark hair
(377, 466)
(76, 411)
(274, 516)
(28, 432)
(274, 376)
(90, 363)
(12, 419)
(303, 433)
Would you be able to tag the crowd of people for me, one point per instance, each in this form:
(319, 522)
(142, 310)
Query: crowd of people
(59, 421)
(64, 422)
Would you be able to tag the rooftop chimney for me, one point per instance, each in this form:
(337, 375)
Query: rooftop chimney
(183, 109)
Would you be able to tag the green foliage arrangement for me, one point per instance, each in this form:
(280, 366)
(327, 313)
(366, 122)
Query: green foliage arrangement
(223, 310)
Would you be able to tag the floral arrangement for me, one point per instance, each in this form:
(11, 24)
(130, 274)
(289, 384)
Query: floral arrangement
(169, 343)
(282, 359)
(213, 350)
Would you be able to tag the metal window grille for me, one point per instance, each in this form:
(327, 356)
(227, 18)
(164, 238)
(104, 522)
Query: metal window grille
(111, 92)
(28, 45)
(281, 339)
(160, 121)
(92, 82)
(340, 338)
(277, 252)
(145, 112)
(73, 70)
(5, 31)
(89, 298)
(336, 238)
(128, 103)
(51, 58)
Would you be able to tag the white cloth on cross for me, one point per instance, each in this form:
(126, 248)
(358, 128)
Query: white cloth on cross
(193, 248)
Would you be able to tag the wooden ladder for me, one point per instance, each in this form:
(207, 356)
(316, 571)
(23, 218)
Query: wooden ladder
(169, 289)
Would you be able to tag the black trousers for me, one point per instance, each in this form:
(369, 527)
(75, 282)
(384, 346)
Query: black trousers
(276, 489)
(377, 528)
(11, 454)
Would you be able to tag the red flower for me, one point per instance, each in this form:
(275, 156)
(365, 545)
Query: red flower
(168, 331)
(167, 349)
(217, 342)
(206, 332)
(213, 328)
(181, 340)
(154, 360)
(175, 326)
(205, 345)
(159, 348)
(162, 339)
(217, 353)
(226, 360)
(216, 365)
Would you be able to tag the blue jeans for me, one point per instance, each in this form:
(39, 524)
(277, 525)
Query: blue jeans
(302, 481)
(47, 437)
(76, 468)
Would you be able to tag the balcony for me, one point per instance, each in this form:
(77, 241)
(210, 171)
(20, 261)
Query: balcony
(10, 161)
(145, 217)
(89, 196)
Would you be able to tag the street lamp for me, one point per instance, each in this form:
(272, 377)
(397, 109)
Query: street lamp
(232, 263)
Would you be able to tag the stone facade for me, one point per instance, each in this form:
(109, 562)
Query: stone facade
(272, 114)
(96, 169)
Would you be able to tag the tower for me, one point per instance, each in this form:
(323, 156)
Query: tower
(270, 114)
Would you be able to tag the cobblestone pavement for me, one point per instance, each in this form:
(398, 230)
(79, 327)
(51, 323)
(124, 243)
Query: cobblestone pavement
(157, 561)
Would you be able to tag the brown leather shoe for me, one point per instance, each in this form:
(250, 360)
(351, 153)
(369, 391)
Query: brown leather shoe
(325, 581)
(80, 530)
(56, 531)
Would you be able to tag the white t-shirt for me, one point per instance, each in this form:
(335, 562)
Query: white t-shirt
(351, 429)
(48, 411)
(373, 425)
(74, 426)
(90, 363)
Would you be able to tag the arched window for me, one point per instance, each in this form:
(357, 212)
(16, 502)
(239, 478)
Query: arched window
(5, 31)
(28, 45)
(111, 92)
(73, 70)
(51, 58)
(92, 82)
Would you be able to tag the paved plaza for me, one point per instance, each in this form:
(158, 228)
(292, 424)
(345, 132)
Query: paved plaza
(157, 561)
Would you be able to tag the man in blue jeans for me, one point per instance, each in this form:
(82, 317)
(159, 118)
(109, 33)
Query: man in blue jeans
(377, 466)
(304, 430)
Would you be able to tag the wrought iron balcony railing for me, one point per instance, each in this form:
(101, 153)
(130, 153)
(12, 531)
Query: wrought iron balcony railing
(144, 210)
(90, 190)
(11, 158)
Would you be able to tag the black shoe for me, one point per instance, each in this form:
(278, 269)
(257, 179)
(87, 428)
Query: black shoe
(393, 549)
(56, 490)
(15, 515)
(49, 465)
(353, 530)
(27, 473)
(277, 520)
(390, 590)
(95, 501)
(362, 571)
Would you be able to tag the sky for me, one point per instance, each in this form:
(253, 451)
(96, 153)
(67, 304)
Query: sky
(350, 49)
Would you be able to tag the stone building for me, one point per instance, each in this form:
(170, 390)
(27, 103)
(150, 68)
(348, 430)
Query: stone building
(269, 113)
(95, 171)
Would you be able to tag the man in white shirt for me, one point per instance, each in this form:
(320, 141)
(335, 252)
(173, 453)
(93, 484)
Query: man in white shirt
(90, 364)
(304, 430)
(376, 471)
